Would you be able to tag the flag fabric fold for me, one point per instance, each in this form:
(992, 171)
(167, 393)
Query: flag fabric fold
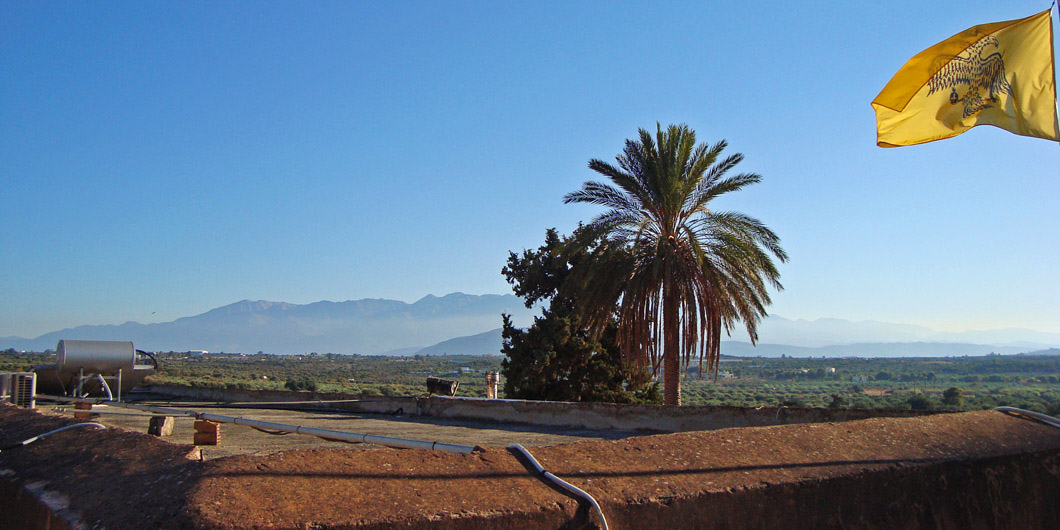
(998, 74)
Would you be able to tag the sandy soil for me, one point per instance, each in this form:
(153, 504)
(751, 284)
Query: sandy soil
(120, 479)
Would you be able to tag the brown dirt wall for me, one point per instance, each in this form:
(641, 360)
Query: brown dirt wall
(22, 509)
(968, 470)
(115, 478)
(1002, 492)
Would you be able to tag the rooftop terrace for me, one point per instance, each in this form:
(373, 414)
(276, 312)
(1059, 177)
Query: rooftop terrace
(967, 470)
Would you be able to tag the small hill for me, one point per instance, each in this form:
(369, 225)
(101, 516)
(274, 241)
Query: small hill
(488, 343)
(1050, 351)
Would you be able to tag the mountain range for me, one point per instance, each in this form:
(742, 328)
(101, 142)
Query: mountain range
(368, 326)
(459, 323)
(489, 343)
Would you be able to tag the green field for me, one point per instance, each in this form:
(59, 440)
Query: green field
(1026, 381)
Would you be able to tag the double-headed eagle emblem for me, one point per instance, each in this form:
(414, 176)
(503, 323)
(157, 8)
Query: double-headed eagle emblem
(975, 77)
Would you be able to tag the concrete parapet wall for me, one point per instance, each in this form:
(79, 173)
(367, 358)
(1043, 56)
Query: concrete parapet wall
(231, 395)
(655, 418)
(283, 399)
(649, 418)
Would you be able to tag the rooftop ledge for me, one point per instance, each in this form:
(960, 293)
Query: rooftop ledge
(963, 470)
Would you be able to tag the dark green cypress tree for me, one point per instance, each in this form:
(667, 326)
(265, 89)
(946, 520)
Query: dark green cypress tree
(558, 358)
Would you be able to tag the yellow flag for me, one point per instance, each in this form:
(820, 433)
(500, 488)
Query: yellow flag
(998, 74)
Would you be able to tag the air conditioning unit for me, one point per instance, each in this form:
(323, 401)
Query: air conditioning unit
(19, 388)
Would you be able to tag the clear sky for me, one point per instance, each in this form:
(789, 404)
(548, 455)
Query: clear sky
(159, 160)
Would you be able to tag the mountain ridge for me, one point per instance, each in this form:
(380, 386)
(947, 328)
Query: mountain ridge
(489, 343)
(455, 322)
(367, 326)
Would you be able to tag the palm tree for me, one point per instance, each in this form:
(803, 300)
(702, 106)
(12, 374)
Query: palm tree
(694, 271)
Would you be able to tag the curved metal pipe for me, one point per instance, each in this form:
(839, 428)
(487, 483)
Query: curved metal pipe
(152, 357)
(49, 433)
(1046, 419)
(581, 494)
(106, 387)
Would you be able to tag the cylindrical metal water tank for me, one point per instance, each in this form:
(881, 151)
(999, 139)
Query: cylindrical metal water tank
(103, 357)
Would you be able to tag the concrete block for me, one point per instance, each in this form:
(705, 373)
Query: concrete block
(161, 425)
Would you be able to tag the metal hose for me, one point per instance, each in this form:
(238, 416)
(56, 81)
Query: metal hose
(49, 433)
(581, 494)
(1048, 420)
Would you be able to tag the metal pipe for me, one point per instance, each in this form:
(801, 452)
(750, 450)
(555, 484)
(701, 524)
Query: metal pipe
(1048, 420)
(328, 434)
(106, 387)
(32, 390)
(49, 433)
(61, 410)
(561, 483)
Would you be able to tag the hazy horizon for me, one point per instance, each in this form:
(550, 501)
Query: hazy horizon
(776, 329)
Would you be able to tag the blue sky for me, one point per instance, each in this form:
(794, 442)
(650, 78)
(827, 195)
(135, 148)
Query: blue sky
(159, 160)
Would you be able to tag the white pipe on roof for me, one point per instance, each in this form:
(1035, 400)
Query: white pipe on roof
(1048, 420)
(49, 433)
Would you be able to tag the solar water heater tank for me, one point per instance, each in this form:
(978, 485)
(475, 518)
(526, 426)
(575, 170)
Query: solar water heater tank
(86, 366)
(103, 357)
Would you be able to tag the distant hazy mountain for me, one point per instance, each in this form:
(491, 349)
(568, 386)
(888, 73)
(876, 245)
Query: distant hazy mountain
(834, 331)
(455, 324)
(368, 326)
(870, 349)
(826, 331)
(1050, 351)
(488, 343)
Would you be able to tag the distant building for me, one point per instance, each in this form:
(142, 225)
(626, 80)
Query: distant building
(859, 379)
(830, 369)
(197, 352)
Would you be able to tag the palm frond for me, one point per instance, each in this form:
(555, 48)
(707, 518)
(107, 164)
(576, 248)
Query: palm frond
(685, 273)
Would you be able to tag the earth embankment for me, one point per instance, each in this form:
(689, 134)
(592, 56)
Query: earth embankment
(968, 470)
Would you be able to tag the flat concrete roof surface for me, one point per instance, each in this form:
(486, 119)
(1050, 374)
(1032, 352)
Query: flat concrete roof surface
(239, 439)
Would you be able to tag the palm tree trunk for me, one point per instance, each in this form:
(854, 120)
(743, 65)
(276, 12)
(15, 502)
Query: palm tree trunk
(671, 344)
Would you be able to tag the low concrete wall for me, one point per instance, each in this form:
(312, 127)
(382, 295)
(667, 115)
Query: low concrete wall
(232, 395)
(604, 416)
(654, 418)
(281, 399)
